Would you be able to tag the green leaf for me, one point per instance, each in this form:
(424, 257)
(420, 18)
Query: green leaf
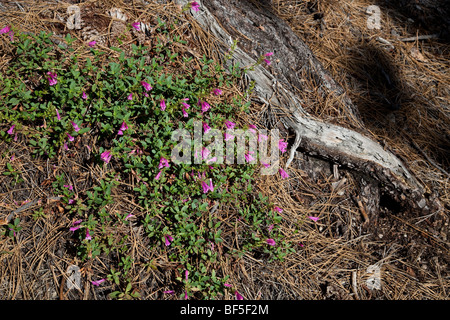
(13, 101)
(84, 130)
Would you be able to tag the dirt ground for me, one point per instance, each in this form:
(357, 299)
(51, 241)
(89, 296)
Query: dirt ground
(402, 89)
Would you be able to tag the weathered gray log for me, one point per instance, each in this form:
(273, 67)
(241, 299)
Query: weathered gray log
(228, 20)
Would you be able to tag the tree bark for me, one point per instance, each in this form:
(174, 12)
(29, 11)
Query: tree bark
(259, 31)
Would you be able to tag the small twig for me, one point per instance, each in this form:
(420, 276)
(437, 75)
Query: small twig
(20, 7)
(363, 210)
(424, 37)
(384, 41)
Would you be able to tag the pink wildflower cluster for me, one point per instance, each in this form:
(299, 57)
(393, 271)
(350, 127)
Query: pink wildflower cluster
(8, 30)
(52, 78)
(162, 164)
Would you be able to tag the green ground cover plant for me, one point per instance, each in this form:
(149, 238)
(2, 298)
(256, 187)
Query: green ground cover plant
(118, 107)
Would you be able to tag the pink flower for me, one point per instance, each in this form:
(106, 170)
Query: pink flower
(88, 236)
(146, 86)
(205, 106)
(270, 227)
(98, 282)
(206, 127)
(5, 30)
(128, 216)
(184, 107)
(65, 146)
(15, 137)
(314, 218)
(75, 126)
(74, 228)
(162, 104)
(211, 187)
(238, 296)
(158, 175)
(282, 146)
(205, 187)
(11, 130)
(84, 96)
(57, 115)
(213, 160)
(252, 128)
(168, 240)
(248, 157)
(195, 6)
(267, 61)
(77, 222)
(278, 209)
(68, 186)
(136, 25)
(52, 78)
(268, 54)
(270, 242)
(283, 173)
(205, 153)
(185, 295)
(227, 285)
(202, 176)
(70, 137)
(265, 164)
(71, 201)
(169, 291)
(163, 163)
(228, 136)
(130, 96)
(122, 128)
(229, 124)
(92, 44)
(262, 137)
(106, 156)
(217, 92)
